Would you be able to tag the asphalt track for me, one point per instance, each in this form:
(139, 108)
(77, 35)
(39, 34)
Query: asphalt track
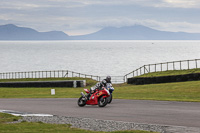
(138, 111)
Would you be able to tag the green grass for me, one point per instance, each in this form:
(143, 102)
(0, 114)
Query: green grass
(39, 127)
(43, 92)
(39, 92)
(7, 118)
(179, 91)
(171, 72)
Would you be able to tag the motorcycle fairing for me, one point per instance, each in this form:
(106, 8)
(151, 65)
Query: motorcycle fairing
(86, 90)
(93, 99)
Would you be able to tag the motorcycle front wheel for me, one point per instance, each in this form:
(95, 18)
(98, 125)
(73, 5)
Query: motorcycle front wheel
(102, 101)
(109, 99)
(81, 101)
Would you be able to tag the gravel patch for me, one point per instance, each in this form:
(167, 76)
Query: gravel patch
(98, 125)
(109, 125)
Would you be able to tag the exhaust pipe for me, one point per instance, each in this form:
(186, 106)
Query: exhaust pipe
(83, 94)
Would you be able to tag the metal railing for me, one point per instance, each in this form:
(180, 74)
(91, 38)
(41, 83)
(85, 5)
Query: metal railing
(45, 74)
(165, 66)
(56, 74)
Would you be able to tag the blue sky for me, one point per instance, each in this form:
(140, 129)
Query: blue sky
(77, 17)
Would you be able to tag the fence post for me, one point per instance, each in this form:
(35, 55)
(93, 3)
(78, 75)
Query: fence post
(149, 68)
(188, 64)
(155, 67)
(173, 66)
(180, 65)
(167, 66)
(196, 63)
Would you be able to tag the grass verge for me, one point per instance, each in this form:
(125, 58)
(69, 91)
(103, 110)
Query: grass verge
(171, 72)
(39, 127)
(179, 91)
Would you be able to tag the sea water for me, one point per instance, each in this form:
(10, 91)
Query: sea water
(92, 57)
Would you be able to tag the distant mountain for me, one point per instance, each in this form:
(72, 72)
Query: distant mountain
(137, 32)
(12, 32)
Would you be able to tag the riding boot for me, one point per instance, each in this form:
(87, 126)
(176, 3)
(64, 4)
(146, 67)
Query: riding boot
(88, 96)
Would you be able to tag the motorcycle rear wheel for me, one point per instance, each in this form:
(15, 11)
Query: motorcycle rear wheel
(102, 101)
(81, 102)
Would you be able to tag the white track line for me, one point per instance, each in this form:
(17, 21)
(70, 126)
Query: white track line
(17, 113)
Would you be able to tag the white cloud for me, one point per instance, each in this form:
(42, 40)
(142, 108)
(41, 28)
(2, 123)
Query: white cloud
(87, 16)
(180, 3)
(151, 3)
(18, 5)
(24, 4)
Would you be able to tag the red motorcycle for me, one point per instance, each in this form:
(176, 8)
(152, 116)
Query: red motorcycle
(99, 97)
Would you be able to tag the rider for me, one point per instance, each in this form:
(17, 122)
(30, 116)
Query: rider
(99, 85)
